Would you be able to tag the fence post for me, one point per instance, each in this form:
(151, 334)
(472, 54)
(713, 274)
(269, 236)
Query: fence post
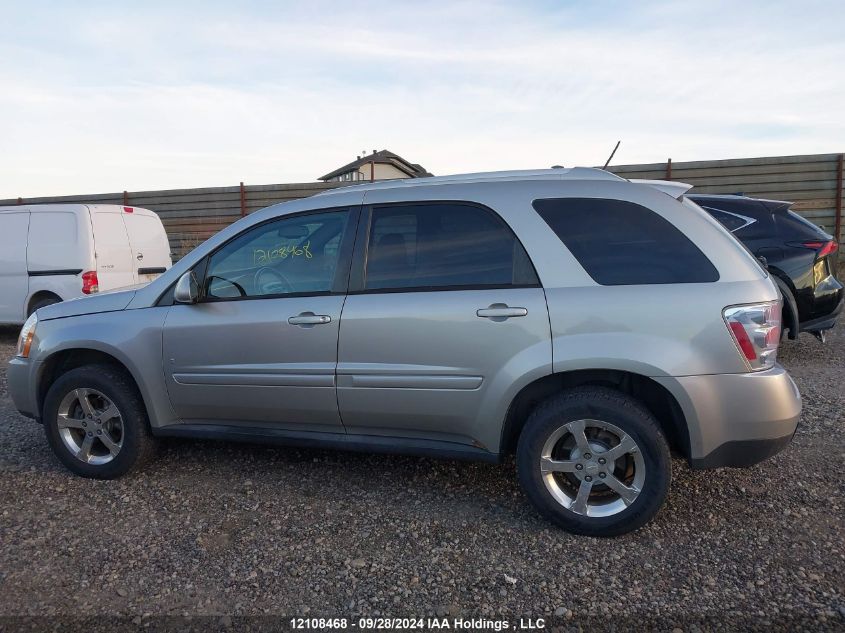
(669, 169)
(243, 200)
(838, 230)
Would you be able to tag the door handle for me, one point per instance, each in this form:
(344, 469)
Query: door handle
(140, 256)
(309, 318)
(500, 311)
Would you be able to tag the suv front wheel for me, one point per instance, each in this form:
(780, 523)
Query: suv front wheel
(594, 461)
(96, 422)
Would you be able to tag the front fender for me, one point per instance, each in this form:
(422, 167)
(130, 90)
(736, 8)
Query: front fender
(132, 337)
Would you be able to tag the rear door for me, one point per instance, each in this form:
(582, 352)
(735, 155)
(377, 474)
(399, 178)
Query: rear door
(444, 310)
(14, 281)
(115, 264)
(148, 243)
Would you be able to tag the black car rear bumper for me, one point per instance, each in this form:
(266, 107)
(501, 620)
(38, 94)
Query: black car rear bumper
(826, 322)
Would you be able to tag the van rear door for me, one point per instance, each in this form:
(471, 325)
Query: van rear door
(14, 281)
(115, 267)
(149, 244)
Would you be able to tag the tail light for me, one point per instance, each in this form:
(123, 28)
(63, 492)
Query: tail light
(756, 331)
(824, 248)
(90, 283)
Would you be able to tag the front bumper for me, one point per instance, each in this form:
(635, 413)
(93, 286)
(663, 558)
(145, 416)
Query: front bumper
(737, 419)
(20, 386)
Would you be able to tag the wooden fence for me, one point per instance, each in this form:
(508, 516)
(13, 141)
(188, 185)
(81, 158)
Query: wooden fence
(813, 182)
(191, 216)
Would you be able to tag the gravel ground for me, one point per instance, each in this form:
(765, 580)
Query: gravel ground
(232, 531)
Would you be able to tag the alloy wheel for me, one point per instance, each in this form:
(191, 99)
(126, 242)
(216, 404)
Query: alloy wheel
(90, 426)
(592, 468)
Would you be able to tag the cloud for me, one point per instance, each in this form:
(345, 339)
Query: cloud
(188, 94)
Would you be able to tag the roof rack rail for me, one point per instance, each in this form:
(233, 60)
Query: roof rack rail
(571, 173)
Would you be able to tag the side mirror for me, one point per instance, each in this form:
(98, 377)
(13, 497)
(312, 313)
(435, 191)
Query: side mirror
(187, 289)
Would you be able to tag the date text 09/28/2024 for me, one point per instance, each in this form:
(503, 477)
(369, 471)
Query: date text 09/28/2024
(417, 624)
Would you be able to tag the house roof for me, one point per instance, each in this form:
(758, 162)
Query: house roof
(384, 156)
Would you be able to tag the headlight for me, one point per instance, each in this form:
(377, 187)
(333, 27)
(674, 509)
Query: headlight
(25, 337)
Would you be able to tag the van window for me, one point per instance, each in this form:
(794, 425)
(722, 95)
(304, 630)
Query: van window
(52, 240)
(443, 245)
(621, 243)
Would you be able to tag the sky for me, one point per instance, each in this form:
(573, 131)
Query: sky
(112, 96)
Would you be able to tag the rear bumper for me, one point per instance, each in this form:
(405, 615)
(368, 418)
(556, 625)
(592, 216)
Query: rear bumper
(826, 322)
(737, 419)
(741, 453)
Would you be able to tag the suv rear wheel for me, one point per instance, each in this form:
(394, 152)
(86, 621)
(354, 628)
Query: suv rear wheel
(594, 461)
(96, 422)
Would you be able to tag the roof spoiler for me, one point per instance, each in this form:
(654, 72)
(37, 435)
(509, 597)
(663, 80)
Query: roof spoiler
(671, 187)
(775, 206)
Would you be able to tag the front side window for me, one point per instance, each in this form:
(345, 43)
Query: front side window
(621, 243)
(297, 254)
(443, 245)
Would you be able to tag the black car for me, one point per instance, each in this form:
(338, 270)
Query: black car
(800, 256)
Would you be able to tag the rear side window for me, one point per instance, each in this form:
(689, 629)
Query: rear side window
(620, 243)
(443, 245)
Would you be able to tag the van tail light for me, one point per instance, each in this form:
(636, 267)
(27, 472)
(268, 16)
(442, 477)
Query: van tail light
(90, 283)
(755, 328)
(823, 248)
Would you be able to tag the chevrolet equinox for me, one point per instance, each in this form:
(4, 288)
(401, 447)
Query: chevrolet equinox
(588, 324)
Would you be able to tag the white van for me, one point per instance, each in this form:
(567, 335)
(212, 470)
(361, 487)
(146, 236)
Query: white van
(53, 252)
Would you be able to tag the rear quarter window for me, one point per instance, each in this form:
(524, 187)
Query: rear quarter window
(620, 243)
(731, 221)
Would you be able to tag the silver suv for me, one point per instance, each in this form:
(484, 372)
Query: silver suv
(589, 324)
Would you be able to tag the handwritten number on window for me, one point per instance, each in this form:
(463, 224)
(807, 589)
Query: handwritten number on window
(263, 257)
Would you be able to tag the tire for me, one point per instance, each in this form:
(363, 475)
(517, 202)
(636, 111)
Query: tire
(789, 318)
(42, 303)
(608, 417)
(124, 441)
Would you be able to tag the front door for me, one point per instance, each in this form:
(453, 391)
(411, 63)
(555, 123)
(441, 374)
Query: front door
(447, 312)
(260, 347)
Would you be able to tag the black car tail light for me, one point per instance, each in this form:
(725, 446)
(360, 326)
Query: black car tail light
(824, 248)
